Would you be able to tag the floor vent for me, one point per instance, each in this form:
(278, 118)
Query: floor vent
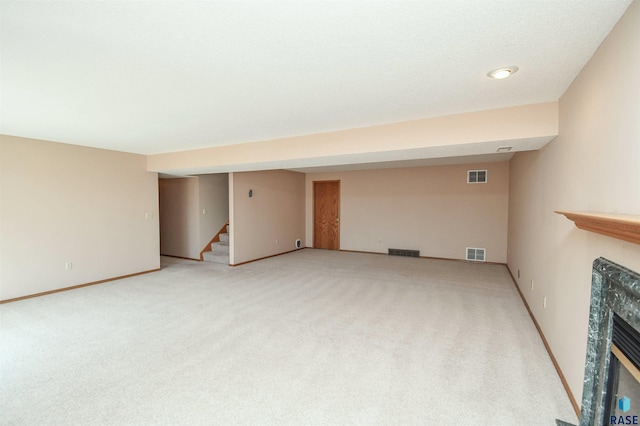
(404, 252)
(476, 254)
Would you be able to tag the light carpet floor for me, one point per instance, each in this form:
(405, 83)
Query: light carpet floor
(309, 338)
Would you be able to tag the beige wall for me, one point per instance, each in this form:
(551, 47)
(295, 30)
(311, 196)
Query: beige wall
(179, 217)
(269, 222)
(431, 209)
(192, 211)
(593, 165)
(64, 203)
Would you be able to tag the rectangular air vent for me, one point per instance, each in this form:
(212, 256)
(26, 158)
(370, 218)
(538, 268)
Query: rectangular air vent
(476, 176)
(404, 252)
(476, 254)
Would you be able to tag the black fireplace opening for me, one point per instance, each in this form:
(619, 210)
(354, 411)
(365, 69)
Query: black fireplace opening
(623, 386)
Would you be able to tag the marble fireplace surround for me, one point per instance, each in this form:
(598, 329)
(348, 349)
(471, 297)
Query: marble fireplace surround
(614, 288)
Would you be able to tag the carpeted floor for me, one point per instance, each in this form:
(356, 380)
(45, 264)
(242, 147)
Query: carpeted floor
(312, 337)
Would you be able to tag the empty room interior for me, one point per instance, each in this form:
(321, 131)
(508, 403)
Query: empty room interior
(319, 212)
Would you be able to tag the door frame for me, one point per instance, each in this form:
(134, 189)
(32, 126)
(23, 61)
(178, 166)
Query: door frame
(313, 224)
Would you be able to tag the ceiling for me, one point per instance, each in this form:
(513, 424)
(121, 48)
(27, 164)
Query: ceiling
(163, 76)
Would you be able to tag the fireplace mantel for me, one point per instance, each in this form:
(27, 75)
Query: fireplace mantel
(621, 226)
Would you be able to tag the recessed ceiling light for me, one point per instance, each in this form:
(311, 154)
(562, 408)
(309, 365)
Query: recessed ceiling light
(501, 73)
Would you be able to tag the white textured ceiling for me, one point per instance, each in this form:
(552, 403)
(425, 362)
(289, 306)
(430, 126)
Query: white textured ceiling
(162, 76)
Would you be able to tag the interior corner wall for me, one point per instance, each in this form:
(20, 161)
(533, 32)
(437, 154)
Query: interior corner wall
(270, 221)
(92, 208)
(431, 209)
(179, 217)
(593, 165)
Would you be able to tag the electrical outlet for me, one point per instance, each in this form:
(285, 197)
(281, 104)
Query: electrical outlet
(148, 215)
(68, 266)
(204, 211)
(276, 242)
(544, 302)
(531, 284)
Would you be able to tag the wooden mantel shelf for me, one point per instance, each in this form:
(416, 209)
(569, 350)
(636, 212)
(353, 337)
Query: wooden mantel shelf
(621, 226)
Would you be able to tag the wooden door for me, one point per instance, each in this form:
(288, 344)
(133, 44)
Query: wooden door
(326, 215)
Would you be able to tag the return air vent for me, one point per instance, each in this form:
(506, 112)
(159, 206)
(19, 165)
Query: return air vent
(404, 252)
(476, 254)
(476, 176)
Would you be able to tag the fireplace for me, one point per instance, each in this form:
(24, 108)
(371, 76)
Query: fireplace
(611, 392)
(623, 381)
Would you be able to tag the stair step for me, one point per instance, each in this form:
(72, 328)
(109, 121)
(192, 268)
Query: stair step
(224, 238)
(220, 247)
(210, 256)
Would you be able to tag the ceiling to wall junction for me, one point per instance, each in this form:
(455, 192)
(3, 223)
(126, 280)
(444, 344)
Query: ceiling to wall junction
(157, 77)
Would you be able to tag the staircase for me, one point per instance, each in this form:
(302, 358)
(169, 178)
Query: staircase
(219, 249)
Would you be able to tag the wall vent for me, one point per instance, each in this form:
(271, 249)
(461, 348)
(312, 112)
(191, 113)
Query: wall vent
(404, 252)
(476, 176)
(476, 254)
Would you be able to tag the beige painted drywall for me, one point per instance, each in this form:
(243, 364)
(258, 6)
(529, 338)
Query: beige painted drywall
(192, 211)
(459, 134)
(270, 221)
(593, 165)
(64, 203)
(179, 217)
(431, 209)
